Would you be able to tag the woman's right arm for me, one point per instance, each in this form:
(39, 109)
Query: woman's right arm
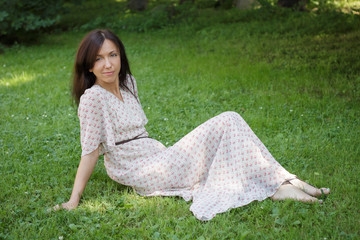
(85, 169)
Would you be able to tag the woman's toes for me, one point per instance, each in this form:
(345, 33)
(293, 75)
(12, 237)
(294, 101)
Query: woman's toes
(325, 191)
(309, 189)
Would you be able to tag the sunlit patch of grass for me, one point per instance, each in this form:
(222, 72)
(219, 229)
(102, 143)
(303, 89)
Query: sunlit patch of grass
(349, 6)
(11, 80)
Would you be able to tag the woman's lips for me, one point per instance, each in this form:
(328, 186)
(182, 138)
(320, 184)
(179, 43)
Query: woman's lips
(108, 73)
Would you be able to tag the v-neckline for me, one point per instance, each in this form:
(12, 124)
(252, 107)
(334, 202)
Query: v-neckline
(121, 94)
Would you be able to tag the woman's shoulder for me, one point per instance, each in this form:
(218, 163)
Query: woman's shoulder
(131, 82)
(129, 79)
(92, 96)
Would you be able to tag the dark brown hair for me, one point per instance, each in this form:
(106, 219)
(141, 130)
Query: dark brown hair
(85, 60)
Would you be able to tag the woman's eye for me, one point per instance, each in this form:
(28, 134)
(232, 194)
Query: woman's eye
(97, 59)
(114, 55)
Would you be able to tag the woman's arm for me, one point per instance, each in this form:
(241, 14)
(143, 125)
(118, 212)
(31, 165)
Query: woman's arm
(85, 169)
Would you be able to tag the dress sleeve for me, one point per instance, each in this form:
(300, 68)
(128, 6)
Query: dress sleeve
(96, 130)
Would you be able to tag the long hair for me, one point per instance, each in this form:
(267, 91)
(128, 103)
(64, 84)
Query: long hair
(85, 60)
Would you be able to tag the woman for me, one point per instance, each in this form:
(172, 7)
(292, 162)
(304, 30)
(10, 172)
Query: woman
(220, 165)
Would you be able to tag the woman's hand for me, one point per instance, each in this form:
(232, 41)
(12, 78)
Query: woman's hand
(70, 205)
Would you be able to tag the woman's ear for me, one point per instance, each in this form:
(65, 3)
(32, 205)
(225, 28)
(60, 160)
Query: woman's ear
(90, 70)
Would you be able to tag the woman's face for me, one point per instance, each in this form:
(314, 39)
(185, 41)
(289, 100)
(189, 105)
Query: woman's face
(107, 64)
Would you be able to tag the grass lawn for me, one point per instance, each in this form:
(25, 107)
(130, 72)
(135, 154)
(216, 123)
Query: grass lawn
(299, 90)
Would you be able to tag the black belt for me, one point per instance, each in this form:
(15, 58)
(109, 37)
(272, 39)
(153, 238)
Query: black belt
(128, 140)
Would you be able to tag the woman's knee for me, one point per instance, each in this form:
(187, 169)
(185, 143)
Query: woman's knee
(230, 116)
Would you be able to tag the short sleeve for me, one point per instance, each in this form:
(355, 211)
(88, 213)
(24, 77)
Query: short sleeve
(96, 128)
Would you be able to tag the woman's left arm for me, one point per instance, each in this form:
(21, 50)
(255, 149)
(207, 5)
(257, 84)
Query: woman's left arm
(85, 169)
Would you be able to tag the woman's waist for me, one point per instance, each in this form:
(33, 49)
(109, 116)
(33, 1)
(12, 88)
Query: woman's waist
(133, 152)
(138, 144)
(136, 136)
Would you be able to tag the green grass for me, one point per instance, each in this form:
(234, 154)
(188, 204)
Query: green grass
(298, 89)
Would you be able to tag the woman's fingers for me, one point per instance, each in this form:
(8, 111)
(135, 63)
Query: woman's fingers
(67, 206)
(55, 208)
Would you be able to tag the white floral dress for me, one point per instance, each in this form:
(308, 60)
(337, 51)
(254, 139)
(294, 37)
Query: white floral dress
(219, 165)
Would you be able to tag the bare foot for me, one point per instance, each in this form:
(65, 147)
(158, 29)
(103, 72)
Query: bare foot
(309, 189)
(288, 191)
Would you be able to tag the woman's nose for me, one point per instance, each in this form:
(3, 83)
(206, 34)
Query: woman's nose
(107, 63)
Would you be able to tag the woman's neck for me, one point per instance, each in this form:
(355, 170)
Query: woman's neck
(113, 87)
